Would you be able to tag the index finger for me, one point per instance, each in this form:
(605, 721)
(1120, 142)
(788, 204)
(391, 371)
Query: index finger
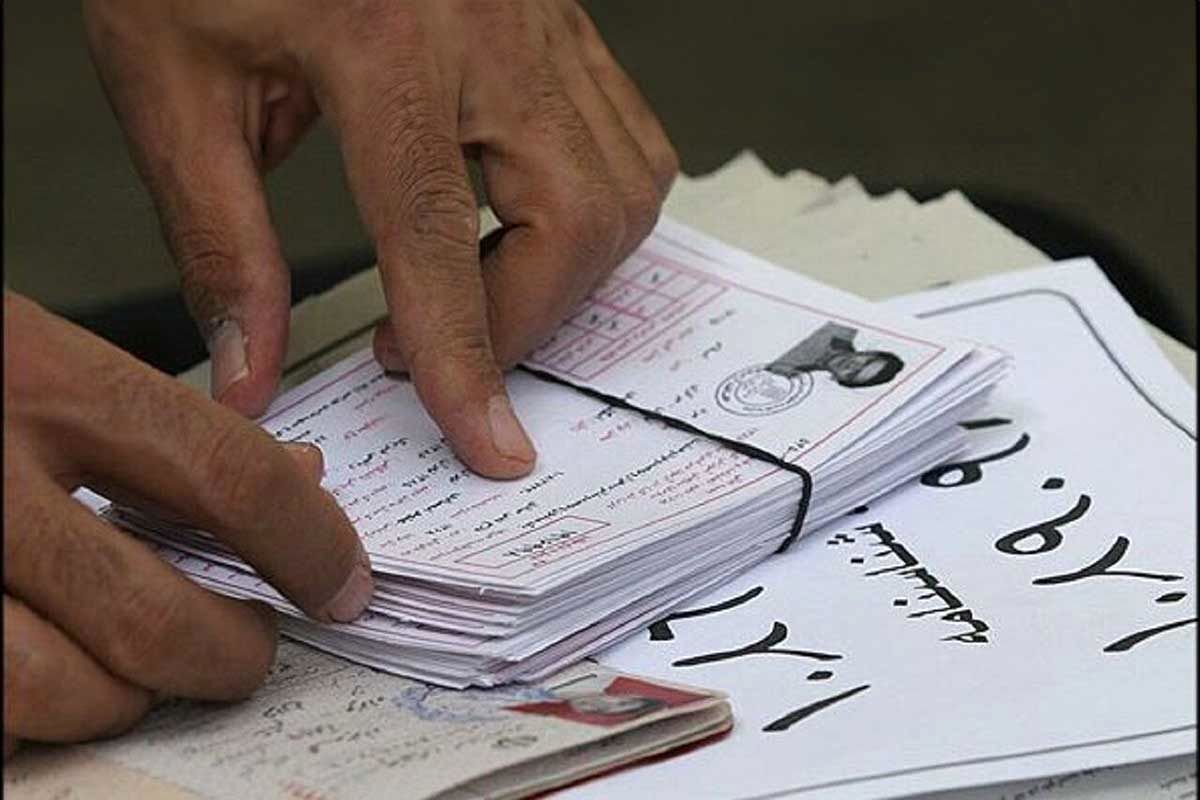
(397, 119)
(116, 422)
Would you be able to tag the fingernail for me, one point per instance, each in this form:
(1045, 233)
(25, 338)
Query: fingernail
(308, 455)
(227, 347)
(355, 594)
(508, 437)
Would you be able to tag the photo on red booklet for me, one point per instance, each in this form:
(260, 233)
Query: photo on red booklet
(623, 700)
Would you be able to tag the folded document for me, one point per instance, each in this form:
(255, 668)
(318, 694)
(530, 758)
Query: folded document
(321, 727)
(700, 409)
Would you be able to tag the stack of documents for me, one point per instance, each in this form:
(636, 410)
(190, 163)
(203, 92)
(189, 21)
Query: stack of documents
(696, 404)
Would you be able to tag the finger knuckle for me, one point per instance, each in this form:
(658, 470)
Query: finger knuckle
(643, 203)
(664, 161)
(403, 109)
(252, 670)
(30, 683)
(200, 250)
(207, 274)
(594, 226)
(427, 179)
(237, 474)
(462, 346)
(145, 625)
(442, 211)
(47, 547)
(30, 377)
(24, 521)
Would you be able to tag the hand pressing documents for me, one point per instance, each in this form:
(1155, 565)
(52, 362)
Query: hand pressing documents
(701, 410)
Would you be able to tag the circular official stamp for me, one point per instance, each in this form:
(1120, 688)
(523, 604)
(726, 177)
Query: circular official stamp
(756, 392)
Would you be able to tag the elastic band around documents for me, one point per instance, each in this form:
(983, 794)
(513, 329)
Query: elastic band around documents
(740, 447)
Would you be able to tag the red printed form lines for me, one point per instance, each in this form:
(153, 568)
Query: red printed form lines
(647, 296)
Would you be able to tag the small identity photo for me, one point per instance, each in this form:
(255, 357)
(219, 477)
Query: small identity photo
(831, 349)
(623, 700)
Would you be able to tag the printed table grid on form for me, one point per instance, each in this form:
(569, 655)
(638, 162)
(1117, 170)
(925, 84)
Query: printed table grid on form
(645, 298)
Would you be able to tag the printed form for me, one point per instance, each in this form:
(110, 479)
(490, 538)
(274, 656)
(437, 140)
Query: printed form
(686, 327)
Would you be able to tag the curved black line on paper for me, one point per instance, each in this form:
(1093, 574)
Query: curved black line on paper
(661, 631)
(1073, 303)
(750, 451)
(740, 447)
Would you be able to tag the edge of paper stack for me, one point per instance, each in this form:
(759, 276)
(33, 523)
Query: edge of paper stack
(483, 625)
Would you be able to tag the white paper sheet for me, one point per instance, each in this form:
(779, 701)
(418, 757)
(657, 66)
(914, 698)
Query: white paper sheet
(867, 692)
(1163, 779)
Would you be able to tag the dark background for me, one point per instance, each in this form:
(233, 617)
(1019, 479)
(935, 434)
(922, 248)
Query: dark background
(1073, 122)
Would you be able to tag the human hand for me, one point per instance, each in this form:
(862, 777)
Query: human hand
(95, 624)
(574, 163)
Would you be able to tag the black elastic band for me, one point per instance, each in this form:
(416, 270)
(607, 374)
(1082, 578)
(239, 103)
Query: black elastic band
(740, 447)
